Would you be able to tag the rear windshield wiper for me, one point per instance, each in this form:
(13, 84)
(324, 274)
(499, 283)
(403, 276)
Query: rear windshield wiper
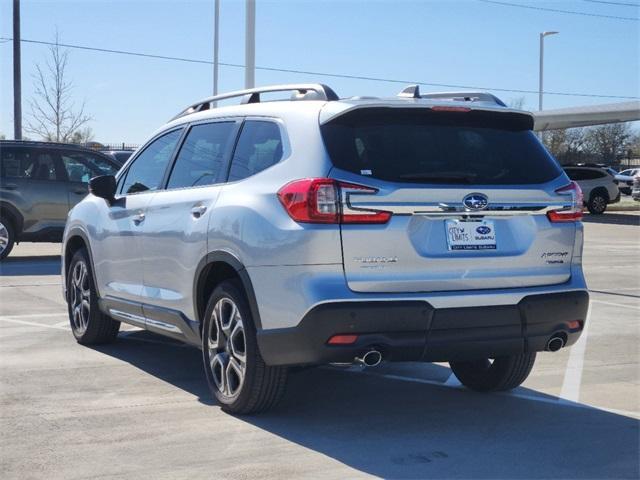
(440, 178)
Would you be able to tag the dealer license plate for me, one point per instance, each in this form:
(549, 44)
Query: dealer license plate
(465, 235)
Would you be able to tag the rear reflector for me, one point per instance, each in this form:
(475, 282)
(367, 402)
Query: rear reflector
(572, 213)
(343, 339)
(575, 325)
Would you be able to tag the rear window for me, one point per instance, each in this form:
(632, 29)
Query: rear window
(422, 146)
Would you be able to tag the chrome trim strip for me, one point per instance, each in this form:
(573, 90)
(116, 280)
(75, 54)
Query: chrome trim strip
(128, 317)
(444, 210)
(163, 326)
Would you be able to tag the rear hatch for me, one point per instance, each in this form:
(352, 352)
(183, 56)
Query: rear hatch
(468, 191)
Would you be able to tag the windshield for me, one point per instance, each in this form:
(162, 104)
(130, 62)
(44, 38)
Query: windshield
(422, 146)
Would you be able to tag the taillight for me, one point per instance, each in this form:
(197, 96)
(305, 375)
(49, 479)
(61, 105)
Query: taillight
(573, 213)
(317, 200)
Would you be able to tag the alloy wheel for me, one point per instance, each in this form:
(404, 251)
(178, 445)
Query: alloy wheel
(599, 204)
(4, 237)
(227, 347)
(80, 297)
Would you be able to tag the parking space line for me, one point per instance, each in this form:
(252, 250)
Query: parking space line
(32, 324)
(573, 372)
(33, 315)
(622, 305)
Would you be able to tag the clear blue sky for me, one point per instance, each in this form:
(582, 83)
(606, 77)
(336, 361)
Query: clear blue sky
(454, 42)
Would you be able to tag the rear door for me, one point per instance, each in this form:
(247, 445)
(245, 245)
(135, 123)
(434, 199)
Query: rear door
(468, 191)
(174, 237)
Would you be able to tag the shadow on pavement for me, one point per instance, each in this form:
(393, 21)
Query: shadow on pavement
(23, 266)
(613, 219)
(394, 428)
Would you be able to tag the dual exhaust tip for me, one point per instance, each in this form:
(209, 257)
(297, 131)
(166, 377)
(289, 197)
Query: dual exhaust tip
(373, 358)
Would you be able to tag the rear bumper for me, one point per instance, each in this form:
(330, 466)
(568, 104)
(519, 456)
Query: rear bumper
(412, 330)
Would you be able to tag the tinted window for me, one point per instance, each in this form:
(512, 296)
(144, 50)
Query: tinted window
(147, 170)
(200, 159)
(81, 166)
(575, 173)
(28, 163)
(595, 174)
(122, 156)
(419, 145)
(259, 147)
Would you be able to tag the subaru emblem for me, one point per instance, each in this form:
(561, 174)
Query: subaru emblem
(475, 201)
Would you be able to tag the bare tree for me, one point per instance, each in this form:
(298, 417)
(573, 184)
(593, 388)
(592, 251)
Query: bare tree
(54, 115)
(517, 103)
(81, 136)
(608, 142)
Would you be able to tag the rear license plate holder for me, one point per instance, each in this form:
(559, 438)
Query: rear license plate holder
(464, 235)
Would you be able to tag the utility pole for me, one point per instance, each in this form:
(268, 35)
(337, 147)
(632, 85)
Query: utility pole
(216, 39)
(250, 45)
(17, 82)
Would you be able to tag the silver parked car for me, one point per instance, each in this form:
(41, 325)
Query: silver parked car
(321, 230)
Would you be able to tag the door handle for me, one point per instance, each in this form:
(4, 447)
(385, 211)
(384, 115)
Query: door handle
(198, 211)
(80, 191)
(8, 186)
(139, 218)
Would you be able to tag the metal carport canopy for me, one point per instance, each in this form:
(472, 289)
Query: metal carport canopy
(585, 116)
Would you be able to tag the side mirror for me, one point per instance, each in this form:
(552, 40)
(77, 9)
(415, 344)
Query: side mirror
(103, 186)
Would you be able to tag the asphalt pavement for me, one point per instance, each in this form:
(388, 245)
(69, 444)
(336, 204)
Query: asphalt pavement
(140, 408)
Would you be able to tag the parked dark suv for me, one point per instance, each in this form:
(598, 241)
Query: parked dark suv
(39, 183)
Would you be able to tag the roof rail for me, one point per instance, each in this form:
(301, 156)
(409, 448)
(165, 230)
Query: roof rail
(43, 143)
(252, 95)
(413, 91)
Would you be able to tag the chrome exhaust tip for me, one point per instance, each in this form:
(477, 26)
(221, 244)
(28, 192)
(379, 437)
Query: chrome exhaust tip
(555, 343)
(372, 358)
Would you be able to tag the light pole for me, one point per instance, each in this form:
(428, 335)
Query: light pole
(17, 75)
(542, 35)
(216, 39)
(250, 45)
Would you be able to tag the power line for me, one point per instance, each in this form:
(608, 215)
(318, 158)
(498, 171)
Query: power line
(571, 12)
(320, 74)
(619, 4)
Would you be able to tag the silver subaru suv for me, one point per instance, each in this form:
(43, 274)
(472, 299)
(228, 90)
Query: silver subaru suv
(309, 230)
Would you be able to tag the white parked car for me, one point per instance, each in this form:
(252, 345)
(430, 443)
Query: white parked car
(624, 180)
(598, 187)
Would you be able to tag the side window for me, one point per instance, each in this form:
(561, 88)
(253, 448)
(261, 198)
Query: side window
(259, 147)
(200, 158)
(147, 170)
(574, 174)
(594, 174)
(81, 166)
(25, 163)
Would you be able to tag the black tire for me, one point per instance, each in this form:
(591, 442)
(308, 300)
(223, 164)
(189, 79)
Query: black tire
(262, 386)
(597, 203)
(504, 373)
(7, 237)
(89, 325)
